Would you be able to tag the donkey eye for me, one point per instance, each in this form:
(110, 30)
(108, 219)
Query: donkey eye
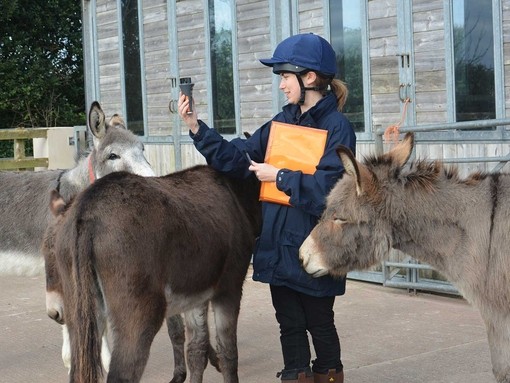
(113, 156)
(339, 221)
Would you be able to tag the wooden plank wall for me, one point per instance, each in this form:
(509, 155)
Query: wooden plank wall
(384, 74)
(506, 51)
(109, 57)
(157, 67)
(429, 61)
(191, 52)
(254, 85)
(254, 43)
(311, 17)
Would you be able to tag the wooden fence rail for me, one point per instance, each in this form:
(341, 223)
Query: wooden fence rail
(20, 137)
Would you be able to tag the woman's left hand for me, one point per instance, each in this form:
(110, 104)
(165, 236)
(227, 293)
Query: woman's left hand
(263, 171)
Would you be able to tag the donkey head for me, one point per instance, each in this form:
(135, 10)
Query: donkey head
(54, 298)
(354, 232)
(115, 148)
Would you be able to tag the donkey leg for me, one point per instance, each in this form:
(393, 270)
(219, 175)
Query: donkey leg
(105, 354)
(175, 328)
(66, 348)
(226, 313)
(105, 349)
(498, 331)
(198, 341)
(134, 324)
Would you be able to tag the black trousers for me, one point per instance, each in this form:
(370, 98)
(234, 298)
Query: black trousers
(297, 314)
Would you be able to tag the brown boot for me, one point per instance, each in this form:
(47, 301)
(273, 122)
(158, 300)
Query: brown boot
(330, 377)
(302, 378)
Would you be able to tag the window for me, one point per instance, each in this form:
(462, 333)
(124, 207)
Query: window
(473, 40)
(220, 22)
(132, 67)
(345, 31)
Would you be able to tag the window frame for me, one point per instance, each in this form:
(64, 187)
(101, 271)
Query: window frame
(499, 132)
(143, 89)
(365, 64)
(235, 69)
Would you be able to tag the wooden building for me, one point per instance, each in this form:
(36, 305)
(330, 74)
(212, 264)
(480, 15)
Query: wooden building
(441, 67)
(449, 58)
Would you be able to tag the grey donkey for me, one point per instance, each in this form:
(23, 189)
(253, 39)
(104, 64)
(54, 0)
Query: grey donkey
(24, 213)
(459, 226)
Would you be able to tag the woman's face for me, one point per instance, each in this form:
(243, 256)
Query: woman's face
(289, 85)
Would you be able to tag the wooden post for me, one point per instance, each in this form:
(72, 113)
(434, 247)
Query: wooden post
(19, 150)
(19, 160)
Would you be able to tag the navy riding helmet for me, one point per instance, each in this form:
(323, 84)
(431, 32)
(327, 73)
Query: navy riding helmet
(302, 53)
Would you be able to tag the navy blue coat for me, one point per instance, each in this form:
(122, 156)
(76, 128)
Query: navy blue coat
(284, 228)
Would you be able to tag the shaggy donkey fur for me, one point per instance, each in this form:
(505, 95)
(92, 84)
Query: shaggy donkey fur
(459, 226)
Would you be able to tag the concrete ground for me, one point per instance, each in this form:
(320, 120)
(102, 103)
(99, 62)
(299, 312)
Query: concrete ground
(387, 336)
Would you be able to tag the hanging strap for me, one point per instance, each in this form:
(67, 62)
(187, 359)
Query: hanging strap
(391, 134)
(92, 176)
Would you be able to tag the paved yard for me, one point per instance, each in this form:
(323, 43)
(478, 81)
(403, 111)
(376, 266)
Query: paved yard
(387, 336)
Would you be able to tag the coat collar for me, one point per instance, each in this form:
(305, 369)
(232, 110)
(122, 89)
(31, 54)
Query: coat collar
(312, 116)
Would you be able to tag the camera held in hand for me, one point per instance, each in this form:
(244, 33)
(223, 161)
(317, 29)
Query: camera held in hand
(187, 89)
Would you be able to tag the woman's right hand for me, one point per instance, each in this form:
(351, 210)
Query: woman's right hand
(191, 120)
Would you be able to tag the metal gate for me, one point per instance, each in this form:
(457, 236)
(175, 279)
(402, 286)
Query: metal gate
(406, 272)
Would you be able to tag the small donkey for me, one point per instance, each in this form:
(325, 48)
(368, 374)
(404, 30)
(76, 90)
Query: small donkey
(131, 251)
(459, 226)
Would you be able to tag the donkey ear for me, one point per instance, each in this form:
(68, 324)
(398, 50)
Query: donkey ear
(117, 120)
(402, 151)
(351, 166)
(97, 123)
(57, 203)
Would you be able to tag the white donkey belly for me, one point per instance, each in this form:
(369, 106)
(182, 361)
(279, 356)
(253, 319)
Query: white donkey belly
(21, 264)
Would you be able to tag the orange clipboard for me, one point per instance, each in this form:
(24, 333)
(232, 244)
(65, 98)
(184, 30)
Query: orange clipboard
(291, 147)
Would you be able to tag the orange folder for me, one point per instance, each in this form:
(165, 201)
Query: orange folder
(291, 147)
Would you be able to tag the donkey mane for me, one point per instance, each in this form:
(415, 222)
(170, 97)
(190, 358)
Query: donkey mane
(372, 160)
(425, 175)
(422, 174)
(477, 177)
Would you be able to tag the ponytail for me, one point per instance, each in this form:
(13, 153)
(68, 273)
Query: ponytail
(338, 87)
(340, 90)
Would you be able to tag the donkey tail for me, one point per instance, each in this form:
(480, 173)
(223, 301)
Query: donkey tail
(84, 312)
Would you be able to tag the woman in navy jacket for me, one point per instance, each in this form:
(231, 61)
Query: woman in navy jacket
(306, 64)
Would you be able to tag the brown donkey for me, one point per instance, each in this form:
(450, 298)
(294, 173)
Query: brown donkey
(196, 320)
(131, 250)
(459, 226)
